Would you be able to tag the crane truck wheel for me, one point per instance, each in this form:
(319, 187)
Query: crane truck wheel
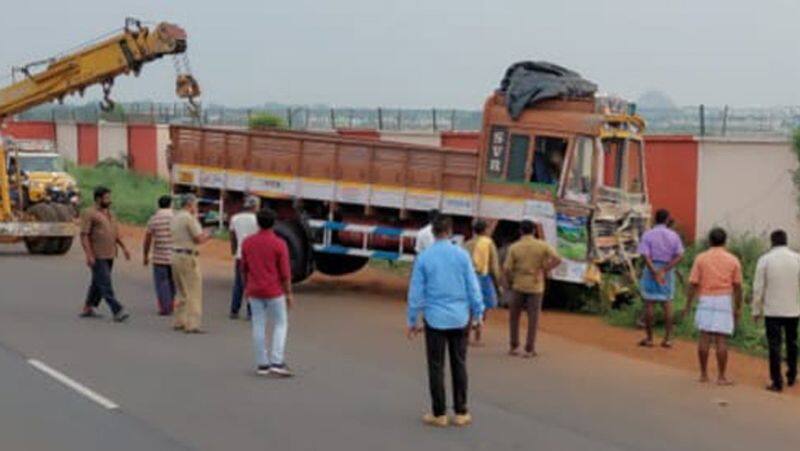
(65, 214)
(337, 264)
(299, 249)
(42, 212)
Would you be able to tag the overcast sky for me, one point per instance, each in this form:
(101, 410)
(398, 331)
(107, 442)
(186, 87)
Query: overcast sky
(444, 53)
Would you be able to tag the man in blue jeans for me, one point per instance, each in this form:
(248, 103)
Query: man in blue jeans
(446, 293)
(268, 286)
(100, 239)
(242, 225)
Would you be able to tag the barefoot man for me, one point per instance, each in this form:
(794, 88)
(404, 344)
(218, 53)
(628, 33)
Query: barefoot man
(716, 279)
(662, 250)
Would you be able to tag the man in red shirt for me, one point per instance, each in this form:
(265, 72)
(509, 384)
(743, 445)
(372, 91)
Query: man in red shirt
(268, 287)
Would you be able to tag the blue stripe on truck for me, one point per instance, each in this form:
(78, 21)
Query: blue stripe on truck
(387, 231)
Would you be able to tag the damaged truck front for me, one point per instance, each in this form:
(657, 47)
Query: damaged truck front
(577, 163)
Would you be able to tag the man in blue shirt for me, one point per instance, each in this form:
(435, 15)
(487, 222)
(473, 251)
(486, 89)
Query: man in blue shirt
(445, 291)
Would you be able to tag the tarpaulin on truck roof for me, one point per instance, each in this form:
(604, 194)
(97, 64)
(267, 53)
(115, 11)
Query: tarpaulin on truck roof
(529, 82)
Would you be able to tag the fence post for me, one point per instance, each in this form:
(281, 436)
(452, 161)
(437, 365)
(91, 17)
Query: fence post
(333, 118)
(289, 117)
(399, 119)
(433, 117)
(380, 118)
(453, 120)
(702, 120)
(725, 121)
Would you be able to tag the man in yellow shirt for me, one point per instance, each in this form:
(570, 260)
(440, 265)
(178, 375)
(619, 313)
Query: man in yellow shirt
(486, 261)
(526, 267)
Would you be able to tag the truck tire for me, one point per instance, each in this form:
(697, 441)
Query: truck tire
(299, 253)
(65, 214)
(42, 212)
(338, 264)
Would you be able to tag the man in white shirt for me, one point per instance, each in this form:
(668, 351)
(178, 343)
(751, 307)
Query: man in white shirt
(776, 298)
(425, 236)
(242, 225)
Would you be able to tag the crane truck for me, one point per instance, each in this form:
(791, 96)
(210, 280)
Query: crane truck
(574, 165)
(39, 210)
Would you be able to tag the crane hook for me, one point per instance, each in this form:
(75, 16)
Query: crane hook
(107, 105)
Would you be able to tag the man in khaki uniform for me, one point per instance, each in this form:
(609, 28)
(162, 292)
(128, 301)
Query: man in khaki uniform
(526, 266)
(187, 233)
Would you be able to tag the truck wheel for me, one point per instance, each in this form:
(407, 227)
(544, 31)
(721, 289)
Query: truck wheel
(42, 212)
(299, 254)
(337, 264)
(65, 214)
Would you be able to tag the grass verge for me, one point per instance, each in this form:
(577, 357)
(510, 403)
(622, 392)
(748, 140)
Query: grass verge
(134, 195)
(748, 336)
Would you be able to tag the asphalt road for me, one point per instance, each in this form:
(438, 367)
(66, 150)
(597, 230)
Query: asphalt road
(360, 383)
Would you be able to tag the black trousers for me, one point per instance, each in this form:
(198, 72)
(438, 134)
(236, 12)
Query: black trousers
(455, 341)
(776, 326)
(101, 287)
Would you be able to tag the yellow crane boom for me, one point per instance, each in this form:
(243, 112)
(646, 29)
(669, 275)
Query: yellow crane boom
(100, 63)
(122, 53)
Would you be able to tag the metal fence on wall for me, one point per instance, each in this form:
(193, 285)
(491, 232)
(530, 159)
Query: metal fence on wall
(699, 120)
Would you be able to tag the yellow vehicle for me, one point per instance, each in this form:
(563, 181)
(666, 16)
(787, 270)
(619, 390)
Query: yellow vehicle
(36, 205)
(42, 171)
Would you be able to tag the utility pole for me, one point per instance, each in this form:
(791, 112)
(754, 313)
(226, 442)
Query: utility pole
(725, 121)
(702, 120)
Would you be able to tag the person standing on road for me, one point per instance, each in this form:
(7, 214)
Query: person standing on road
(662, 250)
(158, 237)
(242, 225)
(425, 236)
(268, 284)
(776, 298)
(487, 266)
(445, 291)
(527, 264)
(100, 238)
(187, 233)
(716, 279)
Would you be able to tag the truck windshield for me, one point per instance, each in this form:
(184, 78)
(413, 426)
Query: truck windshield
(635, 167)
(613, 162)
(41, 164)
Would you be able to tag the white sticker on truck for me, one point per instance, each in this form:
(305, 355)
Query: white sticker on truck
(272, 185)
(458, 205)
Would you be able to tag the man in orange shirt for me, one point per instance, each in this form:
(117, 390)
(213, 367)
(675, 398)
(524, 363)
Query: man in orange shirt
(716, 279)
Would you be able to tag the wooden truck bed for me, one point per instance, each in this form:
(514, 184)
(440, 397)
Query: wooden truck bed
(326, 167)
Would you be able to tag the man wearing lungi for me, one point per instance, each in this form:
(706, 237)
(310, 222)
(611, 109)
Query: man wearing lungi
(662, 250)
(716, 280)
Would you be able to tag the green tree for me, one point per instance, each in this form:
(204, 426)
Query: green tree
(261, 121)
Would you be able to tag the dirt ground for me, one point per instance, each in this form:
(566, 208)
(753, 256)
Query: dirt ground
(584, 329)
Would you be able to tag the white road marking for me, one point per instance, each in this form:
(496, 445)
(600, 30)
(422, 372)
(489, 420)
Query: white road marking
(71, 383)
